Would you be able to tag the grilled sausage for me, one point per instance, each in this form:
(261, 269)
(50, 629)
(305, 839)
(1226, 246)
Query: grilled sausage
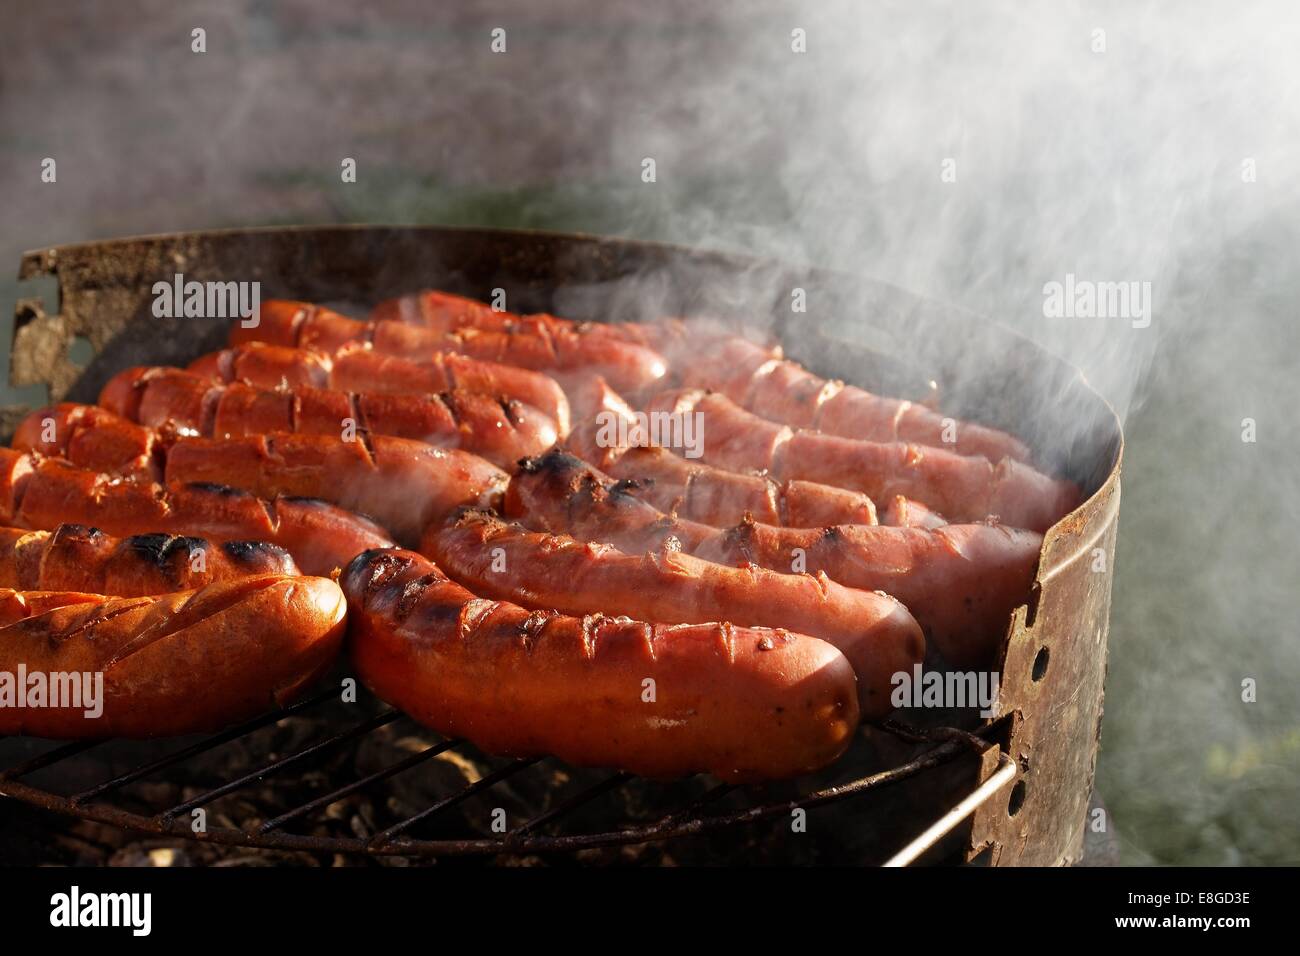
(403, 484)
(705, 353)
(757, 378)
(966, 488)
(445, 313)
(905, 513)
(45, 493)
(659, 700)
(694, 490)
(194, 661)
(365, 370)
(74, 557)
(496, 559)
(186, 403)
(87, 433)
(526, 344)
(960, 582)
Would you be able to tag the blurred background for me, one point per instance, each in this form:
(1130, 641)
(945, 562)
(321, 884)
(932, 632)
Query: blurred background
(968, 152)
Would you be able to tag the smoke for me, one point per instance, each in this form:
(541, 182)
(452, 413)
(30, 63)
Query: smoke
(971, 153)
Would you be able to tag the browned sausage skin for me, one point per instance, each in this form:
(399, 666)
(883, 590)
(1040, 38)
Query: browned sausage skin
(74, 557)
(525, 343)
(403, 484)
(186, 403)
(188, 662)
(691, 489)
(966, 488)
(960, 582)
(662, 701)
(353, 369)
(44, 493)
(496, 559)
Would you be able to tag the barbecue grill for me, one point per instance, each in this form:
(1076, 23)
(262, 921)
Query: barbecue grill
(328, 776)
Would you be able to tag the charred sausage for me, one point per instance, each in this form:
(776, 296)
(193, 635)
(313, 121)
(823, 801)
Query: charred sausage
(403, 484)
(74, 557)
(44, 493)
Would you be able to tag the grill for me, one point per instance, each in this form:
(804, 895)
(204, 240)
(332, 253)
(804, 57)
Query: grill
(549, 831)
(1013, 788)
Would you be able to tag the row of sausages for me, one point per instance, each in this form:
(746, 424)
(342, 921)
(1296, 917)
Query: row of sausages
(554, 593)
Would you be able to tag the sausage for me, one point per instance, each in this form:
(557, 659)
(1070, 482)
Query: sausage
(74, 557)
(504, 561)
(963, 487)
(87, 433)
(445, 313)
(960, 582)
(757, 378)
(717, 497)
(694, 490)
(189, 662)
(744, 704)
(903, 512)
(706, 353)
(403, 484)
(44, 493)
(527, 344)
(365, 370)
(269, 366)
(186, 403)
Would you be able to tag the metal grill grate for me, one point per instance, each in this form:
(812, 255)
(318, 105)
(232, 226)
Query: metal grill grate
(544, 832)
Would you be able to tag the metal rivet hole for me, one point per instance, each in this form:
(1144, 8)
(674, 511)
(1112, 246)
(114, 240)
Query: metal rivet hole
(1017, 798)
(1040, 664)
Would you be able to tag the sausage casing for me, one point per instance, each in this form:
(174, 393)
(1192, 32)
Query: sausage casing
(658, 700)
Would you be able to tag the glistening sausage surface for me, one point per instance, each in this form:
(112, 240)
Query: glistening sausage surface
(960, 582)
(496, 559)
(966, 488)
(189, 662)
(352, 369)
(44, 493)
(444, 313)
(186, 403)
(74, 557)
(658, 700)
(691, 489)
(527, 344)
(403, 484)
(757, 378)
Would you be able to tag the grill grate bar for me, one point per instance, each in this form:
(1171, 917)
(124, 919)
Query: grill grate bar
(335, 795)
(365, 727)
(49, 758)
(692, 809)
(482, 783)
(211, 743)
(574, 802)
